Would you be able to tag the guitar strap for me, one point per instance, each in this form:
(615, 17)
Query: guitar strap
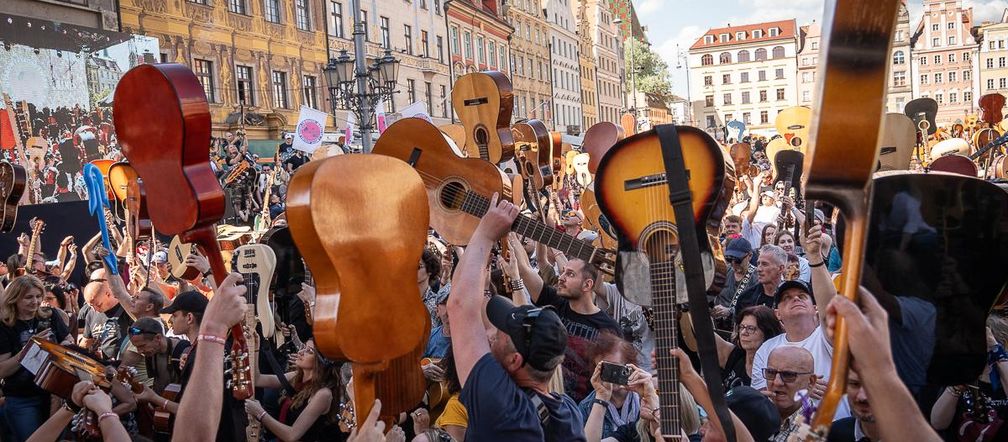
(681, 198)
(269, 353)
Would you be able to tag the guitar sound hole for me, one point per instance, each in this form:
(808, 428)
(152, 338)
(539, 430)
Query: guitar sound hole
(452, 195)
(796, 141)
(481, 135)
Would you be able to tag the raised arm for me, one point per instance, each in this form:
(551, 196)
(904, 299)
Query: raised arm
(533, 282)
(822, 283)
(118, 287)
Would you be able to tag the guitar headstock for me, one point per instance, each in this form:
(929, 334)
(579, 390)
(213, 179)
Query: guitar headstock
(127, 375)
(604, 260)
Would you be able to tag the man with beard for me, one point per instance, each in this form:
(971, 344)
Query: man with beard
(769, 274)
(505, 370)
(861, 427)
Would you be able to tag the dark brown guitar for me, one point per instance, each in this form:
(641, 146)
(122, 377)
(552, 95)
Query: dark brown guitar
(533, 153)
(459, 190)
(13, 179)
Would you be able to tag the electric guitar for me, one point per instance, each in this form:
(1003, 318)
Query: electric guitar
(483, 102)
(37, 226)
(459, 190)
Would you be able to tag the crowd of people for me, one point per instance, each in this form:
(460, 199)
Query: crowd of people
(517, 344)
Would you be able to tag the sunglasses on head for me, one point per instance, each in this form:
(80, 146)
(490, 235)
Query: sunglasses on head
(787, 376)
(133, 331)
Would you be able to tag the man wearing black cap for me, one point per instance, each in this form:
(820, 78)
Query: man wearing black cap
(186, 312)
(505, 377)
(742, 277)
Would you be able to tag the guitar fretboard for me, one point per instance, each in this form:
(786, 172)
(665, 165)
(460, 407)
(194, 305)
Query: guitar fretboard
(663, 295)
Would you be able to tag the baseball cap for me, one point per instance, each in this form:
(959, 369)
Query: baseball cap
(537, 332)
(755, 410)
(161, 257)
(191, 301)
(588, 235)
(738, 248)
(792, 284)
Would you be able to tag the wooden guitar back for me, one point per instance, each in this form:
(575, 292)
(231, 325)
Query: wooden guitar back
(598, 139)
(13, 179)
(483, 102)
(899, 136)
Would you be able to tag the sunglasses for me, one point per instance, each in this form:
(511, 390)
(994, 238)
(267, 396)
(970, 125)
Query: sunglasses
(732, 260)
(787, 376)
(133, 331)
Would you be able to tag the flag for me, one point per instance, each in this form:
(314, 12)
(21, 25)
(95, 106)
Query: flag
(380, 117)
(417, 110)
(348, 133)
(309, 130)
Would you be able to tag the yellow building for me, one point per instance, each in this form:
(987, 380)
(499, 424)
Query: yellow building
(589, 93)
(531, 60)
(258, 60)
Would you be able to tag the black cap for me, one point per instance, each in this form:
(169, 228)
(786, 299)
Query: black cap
(755, 410)
(191, 301)
(738, 248)
(537, 332)
(792, 284)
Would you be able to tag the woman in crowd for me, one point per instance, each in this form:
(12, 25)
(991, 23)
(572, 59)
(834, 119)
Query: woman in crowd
(453, 420)
(55, 298)
(754, 326)
(312, 414)
(26, 405)
(976, 412)
(786, 240)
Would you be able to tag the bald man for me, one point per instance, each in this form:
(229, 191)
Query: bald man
(789, 369)
(105, 322)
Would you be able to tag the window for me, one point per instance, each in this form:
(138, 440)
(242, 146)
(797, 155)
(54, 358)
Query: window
(923, 61)
(271, 11)
(425, 44)
(762, 96)
(780, 94)
(726, 79)
(440, 48)
(724, 58)
(899, 78)
(280, 90)
(967, 75)
(745, 97)
(481, 52)
(761, 54)
(723, 38)
(938, 77)
(934, 42)
(237, 6)
(953, 98)
(991, 45)
(467, 41)
(386, 37)
(302, 16)
(779, 74)
(408, 35)
(898, 57)
(503, 56)
(204, 72)
(411, 90)
(967, 96)
(806, 96)
(774, 32)
(429, 97)
(762, 75)
(952, 77)
(743, 56)
(423, 4)
(709, 101)
(710, 121)
(764, 117)
(336, 23)
(708, 39)
(729, 117)
(746, 118)
(990, 63)
(806, 77)
(966, 56)
(707, 60)
(778, 52)
(364, 22)
(493, 53)
(245, 85)
(757, 33)
(708, 80)
(937, 59)
(934, 27)
(939, 98)
(444, 103)
(740, 35)
(951, 25)
(951, 41)
(990, 83)
(310, 93)
(924, 78)
(951, 58)
(198, 2)
(454, 41)
(1001, 62)
(815, 45)
(1001, 83)
(437, 7)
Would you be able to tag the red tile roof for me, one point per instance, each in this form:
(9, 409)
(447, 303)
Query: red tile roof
(787, 30)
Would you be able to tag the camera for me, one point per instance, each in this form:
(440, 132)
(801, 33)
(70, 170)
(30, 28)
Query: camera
(615, 373)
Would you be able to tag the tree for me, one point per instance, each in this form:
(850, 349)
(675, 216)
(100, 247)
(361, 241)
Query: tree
(647, 69)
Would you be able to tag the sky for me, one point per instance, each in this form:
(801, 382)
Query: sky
(673, 24)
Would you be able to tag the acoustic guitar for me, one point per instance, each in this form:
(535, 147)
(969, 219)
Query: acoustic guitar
(13, 179)
(533, 153)
(177, 253)
(37, 226)
(794, 124)
(367, 280)
(898, 141)
(775, 145)
(629, 123)
(844, 152)
(598, 139)
(483, 102)
(459, 190)
(633, 191)
(164, 420)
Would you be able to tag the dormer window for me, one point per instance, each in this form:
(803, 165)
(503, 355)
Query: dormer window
(774, 32)
(708, 39)
(757, 33)
(740, 35)
(723, 38)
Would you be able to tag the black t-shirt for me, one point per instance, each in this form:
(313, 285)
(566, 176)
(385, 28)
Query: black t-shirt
(166, 368)
(752, 296)
(108, 329)
(842, 430)
(296, 160)
(13, 339)
(582, 330)
(233, 417)
(734, 372)
(499, 410)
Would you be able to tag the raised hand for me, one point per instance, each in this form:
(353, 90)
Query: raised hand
(498, 220)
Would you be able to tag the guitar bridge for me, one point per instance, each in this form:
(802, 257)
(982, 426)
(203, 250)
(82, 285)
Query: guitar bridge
(645, 181)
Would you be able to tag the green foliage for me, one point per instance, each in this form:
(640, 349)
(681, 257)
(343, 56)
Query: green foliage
(650, 72)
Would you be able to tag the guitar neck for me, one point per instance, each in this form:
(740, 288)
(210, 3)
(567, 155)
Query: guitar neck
(665, 328)
(478, 205)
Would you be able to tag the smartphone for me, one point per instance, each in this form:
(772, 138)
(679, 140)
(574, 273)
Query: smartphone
(615, 373)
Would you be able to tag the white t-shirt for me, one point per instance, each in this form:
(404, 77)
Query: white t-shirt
(630, 316)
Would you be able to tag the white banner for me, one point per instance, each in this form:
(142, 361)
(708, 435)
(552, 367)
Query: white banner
(416, 110)
(310, 127)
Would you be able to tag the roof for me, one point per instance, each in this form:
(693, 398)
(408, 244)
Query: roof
(787, 28)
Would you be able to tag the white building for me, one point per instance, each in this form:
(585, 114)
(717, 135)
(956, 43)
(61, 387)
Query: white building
(993, 53)
(746, 72)
(564, 62)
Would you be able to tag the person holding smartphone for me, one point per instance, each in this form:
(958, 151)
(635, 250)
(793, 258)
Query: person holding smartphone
(22, 318)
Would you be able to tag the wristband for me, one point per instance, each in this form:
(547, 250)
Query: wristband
(211, 338)
(261, 416)
(165, 405)
(71, 407)
(821, 263)
(601, 402)
(105, 415)
(207, 273)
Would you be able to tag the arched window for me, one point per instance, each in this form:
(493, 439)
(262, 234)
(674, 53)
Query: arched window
(761, 54)
(898, 57)
(707, 60)
(778, 52)
(743, 56)
(725, 58)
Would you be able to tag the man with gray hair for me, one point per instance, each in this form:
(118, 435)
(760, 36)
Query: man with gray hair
(769, 274)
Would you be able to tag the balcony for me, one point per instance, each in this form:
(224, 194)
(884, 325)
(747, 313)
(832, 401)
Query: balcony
(426, 66)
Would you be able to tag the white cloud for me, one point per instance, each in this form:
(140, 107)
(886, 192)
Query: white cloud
(649, 6)
(756, 11)
(986, 10)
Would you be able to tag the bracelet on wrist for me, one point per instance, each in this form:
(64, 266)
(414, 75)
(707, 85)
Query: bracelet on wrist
(207, 273)
(820, 264)
(211, 338)
(71, 407)
(603, 403)
(261, 416)
(106, 414)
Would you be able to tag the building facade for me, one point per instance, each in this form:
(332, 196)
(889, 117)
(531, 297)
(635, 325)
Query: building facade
(415, 34)
(808, 63)
(258, 61)
(530, 61)
(564, 63)
(586, 62)
(98, 14)
(943, 54)
(478, 36)
(900, 62)
(607, 53)
(744, 72)
(993, 76)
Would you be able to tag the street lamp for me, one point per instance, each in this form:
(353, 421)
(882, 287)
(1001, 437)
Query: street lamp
(681, 57)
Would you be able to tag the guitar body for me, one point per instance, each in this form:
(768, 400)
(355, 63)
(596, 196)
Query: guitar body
(999, 167)
(402, 385)
(595, 220)
(177, 253)
(532, 153)
(557, 150)
(581, 172)
(990, 106)
(899, 137)
(13, 180)
(163, 420)
(741, 155)
(955, 163)
(119, 175)
(794, 124)
(949, 147)
(923, 112)
(483, 102)
(774, 146)
(256, 263)
(629, 123)
(445, 175)
(788, 166)
(598, 139)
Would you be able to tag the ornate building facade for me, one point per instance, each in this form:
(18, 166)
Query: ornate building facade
(530, 61)
(566, 78)
(589, 90)
(478, 37)
(943, 53)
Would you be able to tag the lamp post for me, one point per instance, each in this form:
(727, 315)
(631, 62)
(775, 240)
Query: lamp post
(689, 100)
(374, 83)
